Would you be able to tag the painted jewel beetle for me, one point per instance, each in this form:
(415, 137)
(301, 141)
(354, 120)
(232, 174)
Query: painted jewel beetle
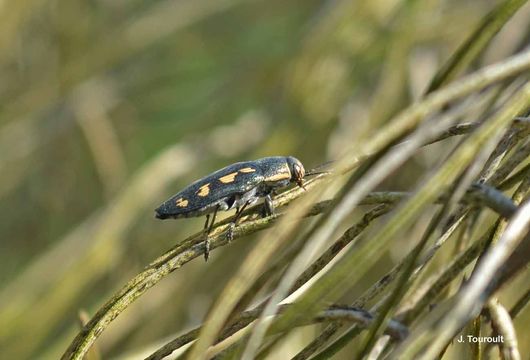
(235, 186)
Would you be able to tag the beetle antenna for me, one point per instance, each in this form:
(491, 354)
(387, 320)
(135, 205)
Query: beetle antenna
(320, 169)
(301, 184)
(310, 173)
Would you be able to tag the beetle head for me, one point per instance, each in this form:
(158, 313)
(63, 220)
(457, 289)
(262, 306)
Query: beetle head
(297, 171)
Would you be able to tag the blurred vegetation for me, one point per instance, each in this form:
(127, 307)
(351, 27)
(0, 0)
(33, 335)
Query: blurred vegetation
(107, 108)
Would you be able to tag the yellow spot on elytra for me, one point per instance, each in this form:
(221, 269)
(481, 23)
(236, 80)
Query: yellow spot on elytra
(204, 190)
(228, 178)
(247, 170)
(181, 202)
(279, 176)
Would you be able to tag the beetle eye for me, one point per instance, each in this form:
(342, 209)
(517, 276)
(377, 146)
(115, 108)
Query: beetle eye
(299, 172)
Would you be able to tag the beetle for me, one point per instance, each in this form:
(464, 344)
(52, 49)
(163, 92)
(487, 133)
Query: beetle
(235, 186)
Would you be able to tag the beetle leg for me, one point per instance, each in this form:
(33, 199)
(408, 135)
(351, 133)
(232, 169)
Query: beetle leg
(213, 219)
(269, 206)
(206, 223)
(208, 229)
(232, 225)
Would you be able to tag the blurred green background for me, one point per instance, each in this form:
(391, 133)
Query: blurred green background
(107, 108)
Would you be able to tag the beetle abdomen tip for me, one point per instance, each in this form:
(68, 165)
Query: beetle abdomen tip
(160, 215)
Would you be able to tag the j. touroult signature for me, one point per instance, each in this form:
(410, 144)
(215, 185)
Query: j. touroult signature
(481, 339)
